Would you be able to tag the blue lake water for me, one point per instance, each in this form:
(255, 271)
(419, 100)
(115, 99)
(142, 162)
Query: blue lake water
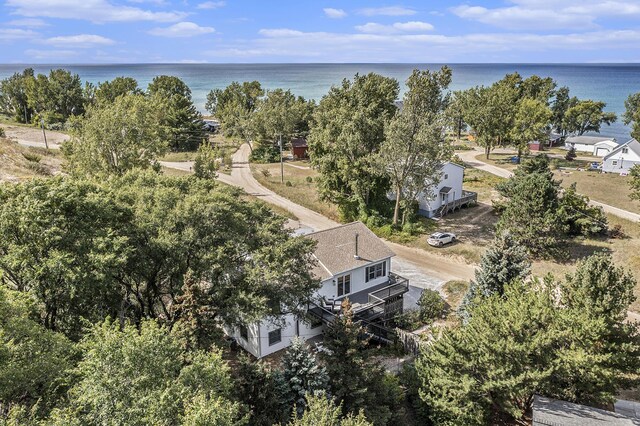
(611, 83)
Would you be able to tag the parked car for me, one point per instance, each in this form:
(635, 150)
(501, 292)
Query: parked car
(438, 239)
(595, 166)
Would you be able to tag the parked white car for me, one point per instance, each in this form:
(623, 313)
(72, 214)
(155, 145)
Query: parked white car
(438, 239)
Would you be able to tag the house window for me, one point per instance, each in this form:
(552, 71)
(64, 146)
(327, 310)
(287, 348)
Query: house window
(244, 333)
(376, 271)
(444, 197)
(275, 336)
(446, 176)
(625, 150)
(614, 163)
(344, 285)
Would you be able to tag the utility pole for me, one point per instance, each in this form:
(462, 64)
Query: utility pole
(281, 162)
(44, 133)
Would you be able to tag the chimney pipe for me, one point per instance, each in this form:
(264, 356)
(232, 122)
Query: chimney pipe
(356, 256)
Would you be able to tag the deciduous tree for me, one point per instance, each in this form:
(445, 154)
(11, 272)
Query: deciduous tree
(345, 140)
(13, 96)
(587, 116)
(108, 91)
(322, 411)
(234, 106)
(414, 148)
(632, 114)
(113, 138)
(531, 121)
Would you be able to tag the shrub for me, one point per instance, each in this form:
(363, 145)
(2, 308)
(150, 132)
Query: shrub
(617, 232)
(265, 172)
(571, 154)
(288, 183)
(409, 320)
(309, 179)
(34, 158)
(2, 133)
(265, 154)
(431, 305)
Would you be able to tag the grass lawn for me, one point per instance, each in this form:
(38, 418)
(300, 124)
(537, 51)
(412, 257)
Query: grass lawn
(296, 187)
(504, 161)
(18, 162)
(481, 182)
(607, 188)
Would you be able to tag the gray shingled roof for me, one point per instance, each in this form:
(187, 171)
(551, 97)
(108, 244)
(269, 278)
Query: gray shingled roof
(554, 412)
(336, 249)
(587, 140)
(632, 144)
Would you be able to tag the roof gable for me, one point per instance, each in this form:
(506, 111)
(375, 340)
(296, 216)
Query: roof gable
(632, 144)
(336, 249)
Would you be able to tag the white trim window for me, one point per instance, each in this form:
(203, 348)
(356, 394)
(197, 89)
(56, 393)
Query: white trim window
(275, 337)
(344, 285)
(614, 163)
(376, 271)
(625, 150)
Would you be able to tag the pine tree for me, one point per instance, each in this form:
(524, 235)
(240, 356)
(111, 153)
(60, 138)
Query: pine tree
(346, 364)
(263, 390)
(504, 263)
(322, 411)
(571, 154)
(302, 374)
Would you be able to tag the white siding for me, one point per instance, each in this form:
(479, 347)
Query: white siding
(452, 176)
(252, 343)
(329, 287)
(620, 162)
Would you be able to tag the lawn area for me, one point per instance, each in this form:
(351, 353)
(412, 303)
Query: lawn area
(607, 188)
(504, 161)
(298, 186)
(481, 182)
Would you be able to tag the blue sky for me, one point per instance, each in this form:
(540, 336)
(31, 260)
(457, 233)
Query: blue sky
(228, 31)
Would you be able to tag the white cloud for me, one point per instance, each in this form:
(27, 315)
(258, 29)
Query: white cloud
(50, 54)
(79, 41)
(298, 46)
(211, 5)
(182, 29)
(398, 27)
(387, 11)
(12, 34)
(548, 14)
(334, 13)
(90, 10)
(28, 22)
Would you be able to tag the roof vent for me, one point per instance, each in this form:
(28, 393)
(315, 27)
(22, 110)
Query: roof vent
(356, 256)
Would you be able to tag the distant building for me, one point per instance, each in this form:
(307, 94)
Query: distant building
(594, 145)
(554, 412)
(536, 146)
(299, 148)
(623, 158)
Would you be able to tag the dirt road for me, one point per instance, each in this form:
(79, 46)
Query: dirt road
(469, 157)
(32, 136)
(424, 270)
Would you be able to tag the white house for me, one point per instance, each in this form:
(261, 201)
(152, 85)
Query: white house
(594, 145)
(352, 262)
(623, 158)
(447, 195)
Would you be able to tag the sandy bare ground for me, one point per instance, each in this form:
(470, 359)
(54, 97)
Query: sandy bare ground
(469, 157)
(32, 136)
(424, 269)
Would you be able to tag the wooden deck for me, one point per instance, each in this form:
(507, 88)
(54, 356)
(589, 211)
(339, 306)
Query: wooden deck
(468, 198)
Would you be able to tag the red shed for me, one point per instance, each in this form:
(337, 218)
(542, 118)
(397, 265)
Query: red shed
(299, 148)
(536, 146)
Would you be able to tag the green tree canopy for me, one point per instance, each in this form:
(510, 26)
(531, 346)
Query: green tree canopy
(142, 376)
(35, 363)
(13, 96)
(302, 375)
(180, 116)
(55, 97)
(108, 91)
(587, 116)
(235, 106)
(281, 114)
(62, 242)
(115, 137)
(414, 148)
(345, 139)
(321, 411)
(524, 343)
(531, 121)
(206, 163)
(631, 114)
(634, 182)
